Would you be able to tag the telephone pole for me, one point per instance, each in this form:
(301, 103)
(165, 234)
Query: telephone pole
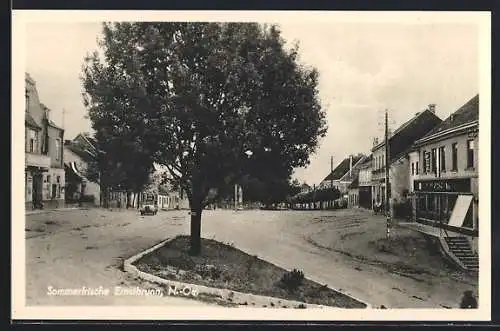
(387, 182)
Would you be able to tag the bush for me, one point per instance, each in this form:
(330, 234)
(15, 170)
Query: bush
(292, 280)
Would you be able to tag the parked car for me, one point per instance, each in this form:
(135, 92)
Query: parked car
(149, 208)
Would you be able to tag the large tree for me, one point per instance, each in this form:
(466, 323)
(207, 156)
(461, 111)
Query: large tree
(210, 101)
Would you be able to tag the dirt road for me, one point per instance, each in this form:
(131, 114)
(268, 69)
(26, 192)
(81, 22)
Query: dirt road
(85, 248)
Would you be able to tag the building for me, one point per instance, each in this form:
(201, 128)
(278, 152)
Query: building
(344, 174)
(79, 153)
(365, 183)
(44, 166)
(353, 193)
(443, 172)
(168, 197)
(400, 143)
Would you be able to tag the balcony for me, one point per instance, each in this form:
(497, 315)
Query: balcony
(37, 160)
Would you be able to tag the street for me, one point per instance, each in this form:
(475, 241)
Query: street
(70, 249)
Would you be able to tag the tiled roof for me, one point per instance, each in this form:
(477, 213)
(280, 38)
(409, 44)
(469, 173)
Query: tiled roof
(30, 122)
(80, 152)
(408, 133)
(342, 168)
(469, 112)
(52, 124)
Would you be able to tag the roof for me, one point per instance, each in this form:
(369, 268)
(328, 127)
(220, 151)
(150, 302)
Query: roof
(366, 163)
(52, 124)
(343, 168)
(406, 135)
(30, 122)
(81, 152)
(355, 183)
(468, 113)
(28, 78)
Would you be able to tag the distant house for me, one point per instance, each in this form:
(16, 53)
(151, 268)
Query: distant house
(344, 174)
(443, 172)
(168, 196)
(400, 143)
(364, 183)
(78, 154)
(353, 193)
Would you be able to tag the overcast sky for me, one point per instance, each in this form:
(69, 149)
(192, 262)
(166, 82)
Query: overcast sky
(364, 68)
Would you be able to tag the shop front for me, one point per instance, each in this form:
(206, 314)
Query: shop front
(446, 203)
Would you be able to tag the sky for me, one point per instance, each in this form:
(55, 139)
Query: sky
(364, 69)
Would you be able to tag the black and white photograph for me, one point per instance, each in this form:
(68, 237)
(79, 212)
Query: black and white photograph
(251, 165)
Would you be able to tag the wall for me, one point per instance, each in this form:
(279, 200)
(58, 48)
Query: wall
(399, 179)
(353, 199)
(365, 177)
(413, 157)
(91, 188)
(461, 171)
(53, 134)
(378, 164)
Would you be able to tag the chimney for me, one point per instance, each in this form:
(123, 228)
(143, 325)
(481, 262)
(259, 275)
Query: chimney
(350, 165)
(432, 108)
(331, 164)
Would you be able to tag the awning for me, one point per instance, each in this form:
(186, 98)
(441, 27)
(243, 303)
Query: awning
(460, 210)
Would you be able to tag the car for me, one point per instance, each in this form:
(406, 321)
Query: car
(149, 208)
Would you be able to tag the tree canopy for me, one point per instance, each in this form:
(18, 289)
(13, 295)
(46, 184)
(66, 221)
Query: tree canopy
(210, 101)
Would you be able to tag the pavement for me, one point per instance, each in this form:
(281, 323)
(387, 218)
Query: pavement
(71, 249)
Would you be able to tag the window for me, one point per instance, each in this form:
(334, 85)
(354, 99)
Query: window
(416, 168)
(412, 169)
(470, 153)
(58, 179)
(442, 159)
(434, 161)
(425, 154)
(58, 149)
(32, 141)
(48, 179)
(454, 152)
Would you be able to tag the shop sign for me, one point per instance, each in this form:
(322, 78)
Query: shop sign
(451, 185)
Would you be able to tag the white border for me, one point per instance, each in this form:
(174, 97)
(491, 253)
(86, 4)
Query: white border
(19, 309)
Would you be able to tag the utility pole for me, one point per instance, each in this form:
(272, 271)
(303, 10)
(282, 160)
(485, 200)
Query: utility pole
(387, 182)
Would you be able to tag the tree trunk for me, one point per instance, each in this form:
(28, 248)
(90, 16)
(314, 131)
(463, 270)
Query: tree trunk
(196, 211)
(105, 196)
(129, 196)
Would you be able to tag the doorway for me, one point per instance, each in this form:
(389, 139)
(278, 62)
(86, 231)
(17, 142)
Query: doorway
(37, 191)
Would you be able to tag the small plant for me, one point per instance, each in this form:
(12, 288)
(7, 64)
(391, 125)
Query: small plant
(292, 280)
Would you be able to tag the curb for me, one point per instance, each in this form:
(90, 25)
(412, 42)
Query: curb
(217, 292)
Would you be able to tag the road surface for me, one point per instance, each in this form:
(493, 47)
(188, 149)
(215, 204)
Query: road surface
(70, 249)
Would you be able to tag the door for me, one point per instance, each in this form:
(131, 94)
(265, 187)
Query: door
(37, 190)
